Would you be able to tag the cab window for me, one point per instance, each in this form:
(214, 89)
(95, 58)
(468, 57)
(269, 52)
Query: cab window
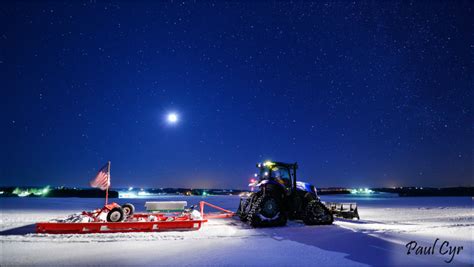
(280, 173)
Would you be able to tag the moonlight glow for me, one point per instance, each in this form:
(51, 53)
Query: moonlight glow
(172, 118)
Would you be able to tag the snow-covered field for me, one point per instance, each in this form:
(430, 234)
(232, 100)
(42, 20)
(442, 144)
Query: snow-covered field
(387, 224)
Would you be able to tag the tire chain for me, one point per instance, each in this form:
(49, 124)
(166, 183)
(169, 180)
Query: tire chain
(255, 206)
(316, 220)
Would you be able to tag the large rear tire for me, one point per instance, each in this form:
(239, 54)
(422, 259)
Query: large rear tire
(317, 214)
(266, 211)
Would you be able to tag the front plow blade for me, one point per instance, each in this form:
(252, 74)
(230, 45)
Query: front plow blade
(343, 210)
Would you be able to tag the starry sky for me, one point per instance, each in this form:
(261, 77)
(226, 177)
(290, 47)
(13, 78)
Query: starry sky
(358, 93)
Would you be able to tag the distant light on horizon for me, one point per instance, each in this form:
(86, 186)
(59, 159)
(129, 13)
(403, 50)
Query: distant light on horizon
(362, 191)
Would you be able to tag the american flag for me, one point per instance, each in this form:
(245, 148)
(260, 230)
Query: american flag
(102, 179)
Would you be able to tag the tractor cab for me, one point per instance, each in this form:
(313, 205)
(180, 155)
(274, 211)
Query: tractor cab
(283, 175)
(278, 174)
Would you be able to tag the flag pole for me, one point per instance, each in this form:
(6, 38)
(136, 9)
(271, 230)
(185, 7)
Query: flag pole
(107, 190)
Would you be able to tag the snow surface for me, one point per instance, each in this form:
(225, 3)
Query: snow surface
(387, 224)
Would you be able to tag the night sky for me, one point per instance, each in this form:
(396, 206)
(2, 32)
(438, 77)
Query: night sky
(359, 94)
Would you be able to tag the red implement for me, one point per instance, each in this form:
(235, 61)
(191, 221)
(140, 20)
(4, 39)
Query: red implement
(223, 214)
(133, 224)
(110, 227)
(138, 222)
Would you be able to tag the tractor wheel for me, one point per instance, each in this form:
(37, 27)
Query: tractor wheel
(244, 208)
(317, 214)
(266, 211)
(115, 215)
(128, 209)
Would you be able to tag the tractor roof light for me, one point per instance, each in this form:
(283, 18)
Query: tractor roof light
(268, 163)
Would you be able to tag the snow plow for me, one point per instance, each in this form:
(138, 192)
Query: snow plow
(343, 210)
(113, 218)
(281, 197)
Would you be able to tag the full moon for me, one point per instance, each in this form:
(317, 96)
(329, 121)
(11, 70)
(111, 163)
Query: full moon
(172, 118)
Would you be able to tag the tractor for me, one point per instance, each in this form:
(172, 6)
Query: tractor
(281, 197)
